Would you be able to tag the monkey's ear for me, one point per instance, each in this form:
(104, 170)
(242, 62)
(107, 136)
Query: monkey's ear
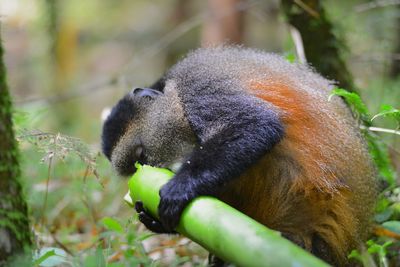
(145, 92)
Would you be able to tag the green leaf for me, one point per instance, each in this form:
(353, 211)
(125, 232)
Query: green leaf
(116, 264)
(101, 261)
(128, 199)
(44, 256)
(355, 255)
(383, 216)
(290, 57)
(389, 112)
(353, 99)
(112, 224)
(49, 257)
(95, 259)
(145, 236)
(382, 204)
(374, 248)
(393, 226)
(20, 117)
(396, 210)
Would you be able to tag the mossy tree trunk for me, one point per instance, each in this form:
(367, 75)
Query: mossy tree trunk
(15, 238)
(322, 48)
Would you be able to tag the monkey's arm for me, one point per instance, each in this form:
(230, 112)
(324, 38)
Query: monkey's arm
(234, 131)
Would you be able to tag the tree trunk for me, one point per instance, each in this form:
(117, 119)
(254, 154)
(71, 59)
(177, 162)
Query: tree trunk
(15, 237)
(225, 23)
(322, 48)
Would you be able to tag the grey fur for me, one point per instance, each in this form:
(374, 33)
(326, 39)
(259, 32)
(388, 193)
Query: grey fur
(163, 132)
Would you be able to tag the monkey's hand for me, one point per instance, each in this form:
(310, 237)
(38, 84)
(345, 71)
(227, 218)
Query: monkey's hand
(174, 196)
(152, 224)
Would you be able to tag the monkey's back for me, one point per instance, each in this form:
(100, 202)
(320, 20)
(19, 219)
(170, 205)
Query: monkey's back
(317, 185)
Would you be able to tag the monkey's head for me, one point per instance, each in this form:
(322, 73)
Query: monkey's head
(147, 126)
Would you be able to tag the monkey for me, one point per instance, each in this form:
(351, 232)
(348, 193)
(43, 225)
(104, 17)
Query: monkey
(260, 134)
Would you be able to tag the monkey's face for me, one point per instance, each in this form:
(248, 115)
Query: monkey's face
(147, 126)
(122, 132)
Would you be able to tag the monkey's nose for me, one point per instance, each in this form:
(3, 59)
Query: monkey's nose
(145, 92)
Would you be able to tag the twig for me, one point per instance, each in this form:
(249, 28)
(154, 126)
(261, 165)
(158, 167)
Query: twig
(307, 9)
(59, 243)
(298, 44)
(85, 199)
(384, 130)
(48, 181)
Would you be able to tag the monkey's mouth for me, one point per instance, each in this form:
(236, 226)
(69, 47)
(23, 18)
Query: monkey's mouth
(138, 155)
(132, 166)
(125, 170)
(125, 166)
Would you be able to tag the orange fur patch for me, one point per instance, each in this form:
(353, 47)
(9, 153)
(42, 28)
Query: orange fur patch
(302, 135)
(316, 201)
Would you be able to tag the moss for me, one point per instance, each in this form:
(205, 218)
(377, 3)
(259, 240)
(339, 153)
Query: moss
(13, 210)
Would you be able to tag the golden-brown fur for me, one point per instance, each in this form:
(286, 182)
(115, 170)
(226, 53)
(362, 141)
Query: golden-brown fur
(308, 185)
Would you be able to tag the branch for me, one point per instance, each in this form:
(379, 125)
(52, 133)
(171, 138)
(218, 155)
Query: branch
(298, 44)
(206, 219)
(307, 9)
(384, 130)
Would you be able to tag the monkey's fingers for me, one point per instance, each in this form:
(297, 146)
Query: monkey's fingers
(139, 206)
(148, 220)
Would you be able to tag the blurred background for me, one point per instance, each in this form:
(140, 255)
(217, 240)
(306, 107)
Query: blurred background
(69, 61)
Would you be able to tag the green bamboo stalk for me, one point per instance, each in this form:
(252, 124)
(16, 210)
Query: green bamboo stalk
(221, 229)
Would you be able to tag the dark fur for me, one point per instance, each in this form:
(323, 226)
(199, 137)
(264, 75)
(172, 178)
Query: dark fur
(248, 130)
(116, 124)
